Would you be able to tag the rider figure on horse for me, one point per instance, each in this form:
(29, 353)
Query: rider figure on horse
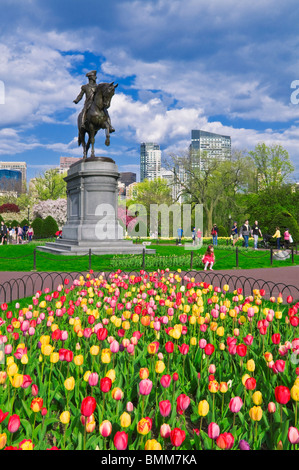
(89, 90)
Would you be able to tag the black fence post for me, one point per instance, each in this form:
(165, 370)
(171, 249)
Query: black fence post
(191, 260)
(237, 257)
(271, 255)
(34, 259)
(89, 258)
(143, 258)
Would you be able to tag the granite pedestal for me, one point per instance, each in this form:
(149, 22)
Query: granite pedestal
(92, 202)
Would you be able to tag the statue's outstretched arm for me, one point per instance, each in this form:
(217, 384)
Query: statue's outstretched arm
(80, 96)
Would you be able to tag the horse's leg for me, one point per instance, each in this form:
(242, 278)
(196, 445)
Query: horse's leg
(107, 131)
(82, 141)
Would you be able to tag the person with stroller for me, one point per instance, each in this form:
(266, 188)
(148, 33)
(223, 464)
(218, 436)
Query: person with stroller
(209, 258)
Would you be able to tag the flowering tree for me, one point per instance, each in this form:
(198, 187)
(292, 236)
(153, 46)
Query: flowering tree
(57, 207)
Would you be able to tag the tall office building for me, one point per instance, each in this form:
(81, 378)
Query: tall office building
(66, 162)
(150, 161)
(205, 145)
(16, 166)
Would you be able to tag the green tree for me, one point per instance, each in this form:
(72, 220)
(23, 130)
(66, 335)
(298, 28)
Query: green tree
(49, 227)
(273, 165)
(50, 185)
(215, 183)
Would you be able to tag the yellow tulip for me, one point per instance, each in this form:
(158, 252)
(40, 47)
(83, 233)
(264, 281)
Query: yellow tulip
(125, 420)
(16, 380)
(3, 440)
(111, 375)
(12, 369)
(152, 444)
(78, 360)
(256, 413)
(257, 398)
(69, 383)
(65, 417)
(250, 365)
(203, 408)
(159, 367)
(295, 392)
(54, 357)
(94, 350)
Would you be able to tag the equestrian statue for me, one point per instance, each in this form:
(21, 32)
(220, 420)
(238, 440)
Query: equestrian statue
(94, 115)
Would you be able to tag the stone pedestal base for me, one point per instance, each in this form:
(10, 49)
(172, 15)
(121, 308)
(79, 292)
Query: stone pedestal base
(92, 201)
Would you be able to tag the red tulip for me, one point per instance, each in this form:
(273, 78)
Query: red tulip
(250, 383)
(3, 415)
(279, 366)
(276, 338)
(241, 350)
(225, 440)
(209, 349)
(289, 299)
(121, 440)
(177, 437)
(169, 346)
(105, 384)
(282, 394)
(184, 349)
(88, 406)
(102, 334)
(13, 423)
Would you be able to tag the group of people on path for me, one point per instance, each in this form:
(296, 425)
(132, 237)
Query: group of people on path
(18, 234)
(255, 231)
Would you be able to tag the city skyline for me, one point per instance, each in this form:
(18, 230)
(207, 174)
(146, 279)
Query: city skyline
(235, 72)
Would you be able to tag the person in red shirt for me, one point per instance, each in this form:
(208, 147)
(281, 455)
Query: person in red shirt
(209, 258)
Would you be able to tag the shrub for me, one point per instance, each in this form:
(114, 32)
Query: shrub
(49, 227)
(8, 207)
(285, 220)
(37, 226)
(222, 232)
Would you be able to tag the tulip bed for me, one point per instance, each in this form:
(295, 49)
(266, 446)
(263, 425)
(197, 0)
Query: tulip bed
(152, 361)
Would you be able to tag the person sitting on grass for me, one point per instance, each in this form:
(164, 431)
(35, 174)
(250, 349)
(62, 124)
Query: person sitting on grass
(209, 258)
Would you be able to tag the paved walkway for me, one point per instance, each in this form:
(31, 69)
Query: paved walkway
(26, 282)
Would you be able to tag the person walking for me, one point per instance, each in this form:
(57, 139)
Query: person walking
(234, 233)
(199, 235)
(19, 234)
(245, 232)
(256, 231)
(209, 258)
(277, 235)
(30, 233)
(3, 230)
(286, 237)
(214, 233)
(180, 234)
(193, 236)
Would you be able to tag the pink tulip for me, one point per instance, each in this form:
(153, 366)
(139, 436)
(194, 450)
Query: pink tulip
(121, 440)
(165, 407)
(293, 435)
(213, 431)
(235, 404)
(105, 428)
(183, 401)
(145, 386)
(165, 380)
(13, 423)
(93, 379)
(114, 346)
(202, 343)
(165, 431)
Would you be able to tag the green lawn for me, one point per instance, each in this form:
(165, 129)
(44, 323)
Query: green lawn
(20, 258)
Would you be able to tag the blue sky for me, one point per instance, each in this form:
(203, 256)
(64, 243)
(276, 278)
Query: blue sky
(221, 66)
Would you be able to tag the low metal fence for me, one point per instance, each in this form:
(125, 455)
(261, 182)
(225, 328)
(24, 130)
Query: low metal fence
(29, 284)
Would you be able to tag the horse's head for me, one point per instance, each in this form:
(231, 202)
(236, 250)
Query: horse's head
(106, 91)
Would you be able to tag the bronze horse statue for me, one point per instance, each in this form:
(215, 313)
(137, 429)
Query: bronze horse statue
(96, 118)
